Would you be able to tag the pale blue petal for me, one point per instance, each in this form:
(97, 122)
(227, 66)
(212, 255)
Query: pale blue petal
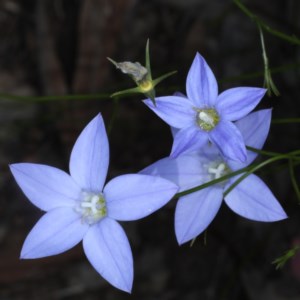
(253, 200)
(107, 249)
(229, 141)
(90, 156)
(57, 231)
(194, 212)
(186, 171)
(211, 152)
(179, 94)
(188, 140)
(236, 103)
(174, 131)
(135, 196)
(175, 111)
(201, 84)
(254, 129)
(46, 187)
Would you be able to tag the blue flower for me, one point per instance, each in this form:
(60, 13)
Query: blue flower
(251, 198)
(79, 208)
(206, 116)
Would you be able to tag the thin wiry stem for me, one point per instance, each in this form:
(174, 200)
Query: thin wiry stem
(293, 179)
(289, 38)
(102, 96)
(290, 155)
(294, 155)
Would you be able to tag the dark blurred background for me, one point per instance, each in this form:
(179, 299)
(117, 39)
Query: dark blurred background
(56, 48)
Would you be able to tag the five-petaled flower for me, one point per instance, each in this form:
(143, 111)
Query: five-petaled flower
(206, 116)
(251, 198)
(79, 208)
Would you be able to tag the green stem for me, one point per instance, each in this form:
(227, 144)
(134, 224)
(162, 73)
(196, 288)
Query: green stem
(268, 81)
(247, 171)
(259, 166)
(251, 75)
(114, 115)
(212, 182)
(293, 179)
(286, 121)
(291, 39)
(263, 152)
(102, 96)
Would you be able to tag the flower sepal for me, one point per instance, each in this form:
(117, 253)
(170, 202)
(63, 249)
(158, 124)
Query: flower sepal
(142, 77)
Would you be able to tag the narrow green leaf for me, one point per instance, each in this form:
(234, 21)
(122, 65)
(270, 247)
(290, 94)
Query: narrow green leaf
(282, 260)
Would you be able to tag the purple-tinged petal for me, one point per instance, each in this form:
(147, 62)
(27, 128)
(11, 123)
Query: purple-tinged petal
(210, 151)
(135, 196)
(186, 171)
(236, 103)
(57, 231)
(179, 94)
(107, 249)
(174, 131)
(229, 141)
(90, 156)
(252, 199)
(188, 140)
(254, 129)
(46, 187)
(175, 111)
(194, 212)
(201, 84)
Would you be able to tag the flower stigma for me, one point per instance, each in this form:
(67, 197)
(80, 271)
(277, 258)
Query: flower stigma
(92, 207)
(217, 169)
(207, 119)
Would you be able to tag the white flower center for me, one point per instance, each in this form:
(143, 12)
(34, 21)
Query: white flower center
(207, 118)
(217, 169)
(217, 172)
(92, 207)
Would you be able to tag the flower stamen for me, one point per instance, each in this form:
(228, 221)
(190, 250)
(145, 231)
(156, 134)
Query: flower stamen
(207, 119)
(92, 207)
(203, 116)
(217, 169)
